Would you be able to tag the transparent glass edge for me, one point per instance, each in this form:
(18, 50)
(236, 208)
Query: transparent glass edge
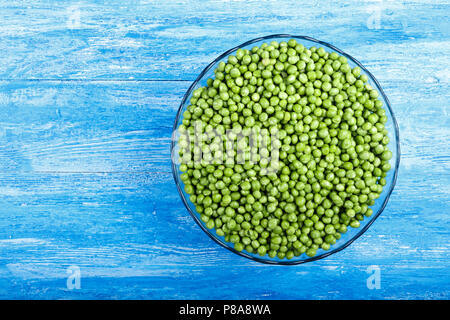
(394, 146)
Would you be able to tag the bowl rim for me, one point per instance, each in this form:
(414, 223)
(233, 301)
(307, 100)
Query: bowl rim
(331, 251)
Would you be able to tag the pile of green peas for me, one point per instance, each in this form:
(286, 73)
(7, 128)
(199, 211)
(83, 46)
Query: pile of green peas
(333, 156)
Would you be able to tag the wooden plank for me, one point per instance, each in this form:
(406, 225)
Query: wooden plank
(107, 208)
(116, 126)
(176, 39)
(120, 226)
(317, 281)
(87, 127)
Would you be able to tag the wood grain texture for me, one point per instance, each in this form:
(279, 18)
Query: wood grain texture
(146, 39)
(87, 126)
(86, 112)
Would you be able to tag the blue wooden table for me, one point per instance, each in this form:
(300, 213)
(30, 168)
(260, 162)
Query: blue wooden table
(88, 96)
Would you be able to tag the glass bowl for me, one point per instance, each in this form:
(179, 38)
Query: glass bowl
(353, 233)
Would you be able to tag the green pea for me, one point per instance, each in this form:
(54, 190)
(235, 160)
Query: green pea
(333, 154)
